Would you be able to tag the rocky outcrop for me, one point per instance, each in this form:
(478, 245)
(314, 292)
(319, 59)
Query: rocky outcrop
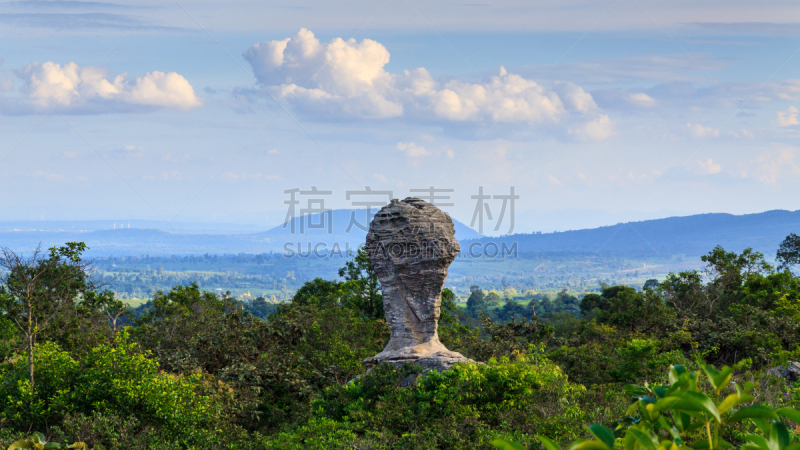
(411, 244)
(790, 373)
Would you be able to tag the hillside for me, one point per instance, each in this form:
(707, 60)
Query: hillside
(691, 235)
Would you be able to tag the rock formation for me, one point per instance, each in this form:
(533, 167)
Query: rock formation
(411, 244)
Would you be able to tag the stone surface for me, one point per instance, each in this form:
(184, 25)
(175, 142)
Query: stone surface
(411, 244)
(790, 373)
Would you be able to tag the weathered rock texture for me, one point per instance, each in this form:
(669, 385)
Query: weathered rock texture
(411, 244)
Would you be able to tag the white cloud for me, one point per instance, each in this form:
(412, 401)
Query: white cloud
(273, 151)
(786, 89)
(774, 164)
(710, 167)
(92, 90)
(788, 118)
(553, 180)
(380, 177)
(642, 99)
(596, 130)
(412, 150)
(347, 79)
(70, 155)
(700, 132)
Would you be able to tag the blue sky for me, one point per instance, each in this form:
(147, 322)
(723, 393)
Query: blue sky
(593, 111)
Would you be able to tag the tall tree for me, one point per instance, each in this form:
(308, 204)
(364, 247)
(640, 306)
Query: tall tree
(40, 287)
(361, 282)
(476, 303)
(789, 252)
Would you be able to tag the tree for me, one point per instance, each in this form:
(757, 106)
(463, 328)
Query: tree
(361, 282)
(39, 288)
(651, 284)
(789, 252)
(592, 301)
(493, 298)
(109, 306)
(476, 302)
(627, 309)
(567, 303)
(319, 292)
(189, 329)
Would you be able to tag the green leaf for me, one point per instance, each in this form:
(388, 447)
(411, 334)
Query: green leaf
(603, 434)
(508, 445)
(546, 442)
(635, 391)
(757, 441)
(790, 413)
(671, 429)
(753, 412)
(675, 372)
(780, 433)
(733, 401)
(20, 445)
(750, 446)
(762, 424)
(718, 378)
(682, 421)
(689, 401)
(643, 439)
(590, 445)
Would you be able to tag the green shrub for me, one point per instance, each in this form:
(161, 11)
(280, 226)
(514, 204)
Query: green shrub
(464, 407)
(701, 410)
(114, 378)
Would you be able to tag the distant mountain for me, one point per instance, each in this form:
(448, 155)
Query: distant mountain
(346, 225)
(691, 235)
(193, 239)
(97, 225)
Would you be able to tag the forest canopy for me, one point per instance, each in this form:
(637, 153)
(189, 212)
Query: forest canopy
(196, 369)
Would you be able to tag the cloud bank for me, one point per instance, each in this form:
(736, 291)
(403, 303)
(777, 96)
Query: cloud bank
(347, 79)
(92, 90)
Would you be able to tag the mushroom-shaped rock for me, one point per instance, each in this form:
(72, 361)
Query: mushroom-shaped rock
(411, 244)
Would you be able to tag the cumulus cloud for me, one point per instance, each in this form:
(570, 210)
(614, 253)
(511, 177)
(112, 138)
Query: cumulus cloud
(597, 130)
(412, 150)
(642, 99)
(84, 89)
(700, 132)
(347, 79)
(710, 167)
(788, 118)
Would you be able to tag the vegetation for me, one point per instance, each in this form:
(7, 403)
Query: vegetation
(201, 370)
